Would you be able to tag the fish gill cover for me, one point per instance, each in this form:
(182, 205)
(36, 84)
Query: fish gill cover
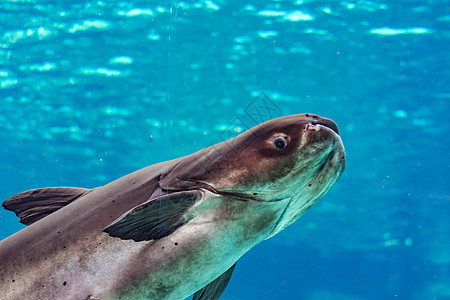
(91, 90)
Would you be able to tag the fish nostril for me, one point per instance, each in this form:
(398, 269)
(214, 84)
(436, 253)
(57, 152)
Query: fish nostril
(314, 119)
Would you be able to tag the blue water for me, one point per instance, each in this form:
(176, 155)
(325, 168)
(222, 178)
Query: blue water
(92, 90)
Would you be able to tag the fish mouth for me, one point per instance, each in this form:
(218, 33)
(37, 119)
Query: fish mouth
(318, 121)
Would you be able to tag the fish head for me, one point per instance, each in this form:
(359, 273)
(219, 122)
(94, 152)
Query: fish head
(295, 158)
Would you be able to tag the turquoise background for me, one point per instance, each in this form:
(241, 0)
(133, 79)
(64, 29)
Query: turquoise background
(93, 90)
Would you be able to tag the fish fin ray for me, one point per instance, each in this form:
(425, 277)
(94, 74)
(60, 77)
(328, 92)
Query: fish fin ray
(214, 290)
(155, 218)
(33, 205)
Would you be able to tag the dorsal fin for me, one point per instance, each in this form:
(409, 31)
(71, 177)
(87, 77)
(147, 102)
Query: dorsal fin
(33, 205)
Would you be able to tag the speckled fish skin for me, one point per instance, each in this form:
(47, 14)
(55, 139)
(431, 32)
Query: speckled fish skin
(249, 189)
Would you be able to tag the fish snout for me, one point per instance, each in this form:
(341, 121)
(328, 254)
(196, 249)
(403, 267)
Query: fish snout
(317, 120)
(321, 136)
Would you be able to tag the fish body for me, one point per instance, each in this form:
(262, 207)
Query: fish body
(175, 228)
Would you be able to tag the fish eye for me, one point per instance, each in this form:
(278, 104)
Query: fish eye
(280, 142)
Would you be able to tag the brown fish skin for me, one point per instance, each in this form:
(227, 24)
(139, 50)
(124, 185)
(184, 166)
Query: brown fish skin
(250, 190)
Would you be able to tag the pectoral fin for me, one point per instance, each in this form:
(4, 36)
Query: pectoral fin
(155, 218)
(33, 205)
(214, 290)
